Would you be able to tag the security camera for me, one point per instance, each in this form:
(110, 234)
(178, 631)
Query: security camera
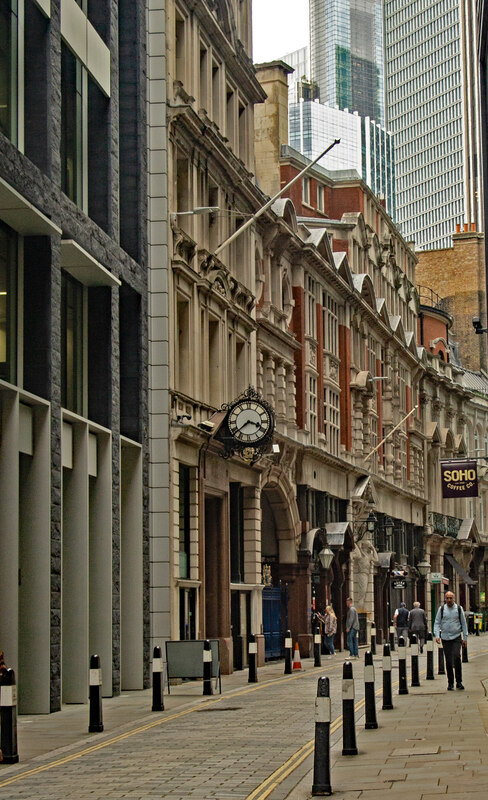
(478, 327)
(206, 426)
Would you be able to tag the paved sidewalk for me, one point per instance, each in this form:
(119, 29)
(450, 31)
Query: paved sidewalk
(432, 743)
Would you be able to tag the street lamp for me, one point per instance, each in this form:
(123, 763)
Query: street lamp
(326, 556)
(366, 526)
(192, 212)
(424, 568)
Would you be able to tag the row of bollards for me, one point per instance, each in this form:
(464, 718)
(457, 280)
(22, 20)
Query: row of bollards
(321, 770)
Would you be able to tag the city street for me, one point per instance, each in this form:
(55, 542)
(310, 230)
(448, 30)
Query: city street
(256, 741)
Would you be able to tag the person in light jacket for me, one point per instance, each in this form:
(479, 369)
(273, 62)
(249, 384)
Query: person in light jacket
(352, 629)
(450, 626)
(330, 629)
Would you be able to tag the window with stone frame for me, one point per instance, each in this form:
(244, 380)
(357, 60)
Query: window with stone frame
(332, 419)
(312, 408)
(306, 191)
(330, 320)
(310, 307)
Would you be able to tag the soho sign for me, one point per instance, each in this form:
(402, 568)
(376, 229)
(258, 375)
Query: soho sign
(459, 478)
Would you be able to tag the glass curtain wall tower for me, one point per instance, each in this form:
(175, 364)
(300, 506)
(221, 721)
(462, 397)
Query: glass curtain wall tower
(432, 102)
(346, 55)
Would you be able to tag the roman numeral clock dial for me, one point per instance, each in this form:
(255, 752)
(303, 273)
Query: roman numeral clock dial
(249, 421)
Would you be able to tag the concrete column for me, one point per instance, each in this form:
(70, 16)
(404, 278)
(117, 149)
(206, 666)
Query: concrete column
(259, 371)
(9, 526)
(75, 555)
(269, 380)
(252, 535)
(280, 406)
(131, 567)
(100, 555)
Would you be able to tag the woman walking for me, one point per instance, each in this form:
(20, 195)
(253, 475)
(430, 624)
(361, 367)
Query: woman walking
(330, 629)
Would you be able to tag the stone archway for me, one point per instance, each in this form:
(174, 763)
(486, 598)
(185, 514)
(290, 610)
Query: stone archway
(280, 531)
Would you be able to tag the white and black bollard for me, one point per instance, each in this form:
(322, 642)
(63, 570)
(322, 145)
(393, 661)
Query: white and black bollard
(157, 679)
(414, 650)
(252, 657)
(392, 638)
(402, 666)
(321, 760)
(317, 644)
(429, 646)
(373, 638)
(349, 747)
(369, 695)
(8, 718)
(207, 668)
(387, 698)
(441, 670)
(96, 714)
(288, 653)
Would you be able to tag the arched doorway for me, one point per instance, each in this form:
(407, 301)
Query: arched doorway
(279, 523)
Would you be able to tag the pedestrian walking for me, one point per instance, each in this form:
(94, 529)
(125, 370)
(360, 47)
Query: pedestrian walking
(400, 621)
(330, 629)
(417, 623)
(352, 628)
(450, 627)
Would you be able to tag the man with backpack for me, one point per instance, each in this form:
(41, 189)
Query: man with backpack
(450, 627)
(400, 620)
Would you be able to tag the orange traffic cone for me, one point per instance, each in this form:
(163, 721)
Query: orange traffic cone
(297, 664)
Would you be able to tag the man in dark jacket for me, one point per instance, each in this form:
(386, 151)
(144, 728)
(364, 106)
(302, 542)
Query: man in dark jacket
(400, 620)
(417, 624)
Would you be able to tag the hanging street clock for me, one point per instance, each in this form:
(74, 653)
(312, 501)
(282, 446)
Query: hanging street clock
(249, 426)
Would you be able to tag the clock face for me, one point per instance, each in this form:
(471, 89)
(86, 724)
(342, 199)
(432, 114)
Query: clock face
(249, 421)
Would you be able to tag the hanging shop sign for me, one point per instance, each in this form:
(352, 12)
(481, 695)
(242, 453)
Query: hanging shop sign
(399, 583)
(459, 478)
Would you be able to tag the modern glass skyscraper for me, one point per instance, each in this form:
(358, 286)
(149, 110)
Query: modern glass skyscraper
(346, 55)
(366, 146)
(432, 110)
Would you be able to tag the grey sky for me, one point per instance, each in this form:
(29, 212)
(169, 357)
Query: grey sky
(279, 27)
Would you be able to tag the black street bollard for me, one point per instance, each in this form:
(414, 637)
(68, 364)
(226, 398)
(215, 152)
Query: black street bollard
(207, 668)
(157, 678)
(373, 638)
(288, 653)
(392, 638)
(387, 698)
(349, 747)
(402, 666)
(464, 648)
(321, 760)
(96, 715)
(429, 646)
(477, 625)
(441, 670)
(414, 650)
(369, 695)
(252, 656)
(8, 718)
(317, 643)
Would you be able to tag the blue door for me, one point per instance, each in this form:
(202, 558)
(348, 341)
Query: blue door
(272, 625)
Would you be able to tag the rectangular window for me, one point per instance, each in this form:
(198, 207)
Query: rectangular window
(320, 198)
(332, 419)
(72, 302)
(310, 310)
(184, 521)
(8, 68)
(8, 304)
(183, 353)
(71, 126)
(306, 190)
(312, 408)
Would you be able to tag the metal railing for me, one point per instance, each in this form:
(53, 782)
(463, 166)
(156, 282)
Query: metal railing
(427, 297)
(444, 525)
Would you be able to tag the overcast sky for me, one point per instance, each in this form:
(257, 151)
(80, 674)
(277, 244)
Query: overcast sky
(279, 27)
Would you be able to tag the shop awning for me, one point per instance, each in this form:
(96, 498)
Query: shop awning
(460, 570)
(337, 532)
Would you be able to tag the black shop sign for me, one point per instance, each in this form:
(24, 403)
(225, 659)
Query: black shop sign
(399, 583)
(459, 478)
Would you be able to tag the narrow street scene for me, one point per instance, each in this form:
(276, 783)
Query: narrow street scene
(256, 740)
(243, 398)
